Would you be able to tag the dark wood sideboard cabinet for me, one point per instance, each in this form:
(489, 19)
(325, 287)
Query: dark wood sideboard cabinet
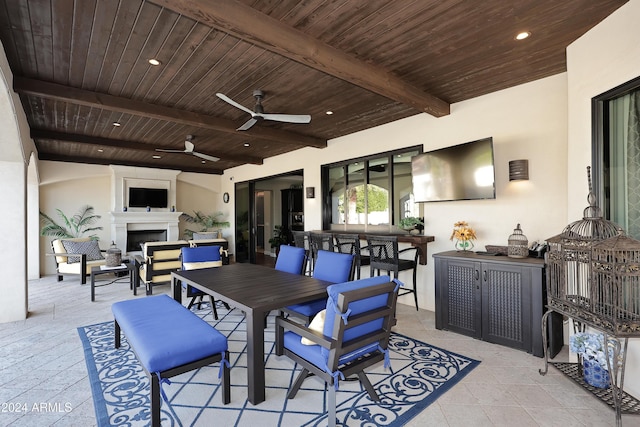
(496, 299)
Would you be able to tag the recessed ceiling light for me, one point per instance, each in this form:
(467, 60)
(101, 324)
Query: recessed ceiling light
(523, 35)
(155, 156)
(154, 61)
(246, 144)
(116, 124)
(329, 112)
(100, 150)
(203, 162)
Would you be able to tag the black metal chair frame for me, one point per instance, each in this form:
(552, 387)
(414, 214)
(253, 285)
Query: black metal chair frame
(385, 255)
(302, 239)
(337, 347)
(350, 244)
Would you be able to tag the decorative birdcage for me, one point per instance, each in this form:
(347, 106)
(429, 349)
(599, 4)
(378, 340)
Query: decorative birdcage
(615, 285)
(518, 244)
(569, 262)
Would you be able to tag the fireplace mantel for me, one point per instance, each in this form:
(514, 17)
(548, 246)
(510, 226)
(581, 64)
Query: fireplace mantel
(123, 221)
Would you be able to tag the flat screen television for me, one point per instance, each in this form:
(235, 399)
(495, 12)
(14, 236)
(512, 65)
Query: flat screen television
(152, 197)
(460, 172)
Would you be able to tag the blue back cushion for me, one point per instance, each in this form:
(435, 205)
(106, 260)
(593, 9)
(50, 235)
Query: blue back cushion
(201, 254)
(290, 259)
(333, 267)
(356, 307)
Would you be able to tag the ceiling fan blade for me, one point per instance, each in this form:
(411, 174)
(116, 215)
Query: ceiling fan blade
(205, 156)
(287, 118)
(248, 124)
(170, 151)
(226, 99)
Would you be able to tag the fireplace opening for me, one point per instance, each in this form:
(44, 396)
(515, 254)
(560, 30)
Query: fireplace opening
(135, 238)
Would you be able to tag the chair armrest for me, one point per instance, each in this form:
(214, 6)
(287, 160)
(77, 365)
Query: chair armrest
(305, 332)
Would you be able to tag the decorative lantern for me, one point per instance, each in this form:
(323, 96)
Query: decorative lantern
(615, 285)
(569, 260)
(518, 244)
(114, 256)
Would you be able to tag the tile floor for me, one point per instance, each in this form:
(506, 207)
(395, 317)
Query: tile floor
(44, 382)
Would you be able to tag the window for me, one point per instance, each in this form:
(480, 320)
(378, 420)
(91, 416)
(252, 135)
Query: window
(371, 191)
(616, 155)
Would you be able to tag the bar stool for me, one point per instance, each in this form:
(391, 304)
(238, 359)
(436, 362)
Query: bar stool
(301, 239)
(350, 244)
(385, 255)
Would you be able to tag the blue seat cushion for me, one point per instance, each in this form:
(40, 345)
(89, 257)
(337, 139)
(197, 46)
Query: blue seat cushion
(309, 309)
(356, 307)
(164, 334)
(333, 267)
(290, 259)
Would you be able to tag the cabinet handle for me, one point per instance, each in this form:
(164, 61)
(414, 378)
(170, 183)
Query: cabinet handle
(477, 274)
(484, 275)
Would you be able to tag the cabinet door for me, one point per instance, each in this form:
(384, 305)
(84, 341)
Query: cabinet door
(506, 305)
(458, 296)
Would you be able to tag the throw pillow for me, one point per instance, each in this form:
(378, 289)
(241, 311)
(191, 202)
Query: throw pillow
(90, 248)
(317, 324)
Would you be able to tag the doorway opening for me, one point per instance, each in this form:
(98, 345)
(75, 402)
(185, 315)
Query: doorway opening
(267, 210)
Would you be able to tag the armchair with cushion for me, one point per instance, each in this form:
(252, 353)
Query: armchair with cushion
(355, 335)
(76, 256)
(159, 259)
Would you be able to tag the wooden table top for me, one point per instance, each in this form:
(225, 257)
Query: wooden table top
(255, 287)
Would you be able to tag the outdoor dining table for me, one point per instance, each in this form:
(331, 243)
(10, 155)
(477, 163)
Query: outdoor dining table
(256, 290)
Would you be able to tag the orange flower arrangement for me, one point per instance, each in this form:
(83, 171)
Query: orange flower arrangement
(463, 235)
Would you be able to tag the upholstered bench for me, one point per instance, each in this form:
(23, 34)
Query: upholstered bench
(169, 340)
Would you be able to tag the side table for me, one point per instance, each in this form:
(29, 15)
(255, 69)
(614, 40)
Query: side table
(128, 267)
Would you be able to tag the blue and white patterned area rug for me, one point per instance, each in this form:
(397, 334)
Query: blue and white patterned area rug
(419, 374)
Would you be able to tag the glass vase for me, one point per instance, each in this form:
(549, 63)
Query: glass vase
(594, 374)
(464, 245)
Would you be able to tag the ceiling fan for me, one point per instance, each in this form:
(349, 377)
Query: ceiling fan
(258, 112)
(188, 149)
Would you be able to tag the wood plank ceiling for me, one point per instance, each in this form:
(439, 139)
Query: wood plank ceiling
(82, 65)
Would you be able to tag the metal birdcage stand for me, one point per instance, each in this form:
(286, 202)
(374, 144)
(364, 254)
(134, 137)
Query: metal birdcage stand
(593, 277)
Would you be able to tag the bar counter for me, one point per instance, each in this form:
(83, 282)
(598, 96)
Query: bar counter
(419, 241)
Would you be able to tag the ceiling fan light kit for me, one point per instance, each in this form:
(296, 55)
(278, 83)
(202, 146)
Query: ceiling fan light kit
(258, 113)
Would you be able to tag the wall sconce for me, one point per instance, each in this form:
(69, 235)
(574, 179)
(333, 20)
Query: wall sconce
(311, 192)
(518, 170)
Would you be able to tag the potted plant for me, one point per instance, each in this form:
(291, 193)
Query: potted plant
(75, 226)
(409, 223)
(207, 222)
(280, 237)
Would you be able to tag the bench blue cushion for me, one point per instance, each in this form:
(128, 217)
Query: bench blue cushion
(164, 334)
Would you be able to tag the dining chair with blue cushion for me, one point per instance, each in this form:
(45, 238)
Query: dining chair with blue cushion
(193, 258)
(355, 335)
(332, 267)
(291, 259)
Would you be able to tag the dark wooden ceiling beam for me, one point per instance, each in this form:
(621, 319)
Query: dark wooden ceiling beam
(251, 25)
(87, 98)
(46, 135)
(43, 155)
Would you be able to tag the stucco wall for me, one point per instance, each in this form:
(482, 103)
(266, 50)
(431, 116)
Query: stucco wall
(602, 59)
(526, 122)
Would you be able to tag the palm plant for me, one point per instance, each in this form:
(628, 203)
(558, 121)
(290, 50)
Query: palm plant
(206, 222)
(75, 226)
